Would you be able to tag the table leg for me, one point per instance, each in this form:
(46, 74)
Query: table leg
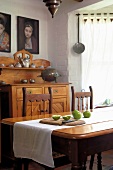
(18, 164)
(77, 168)
(26, 163)
(77, 159)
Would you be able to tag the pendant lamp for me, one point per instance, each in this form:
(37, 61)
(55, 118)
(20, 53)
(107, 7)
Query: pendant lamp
(54, 4)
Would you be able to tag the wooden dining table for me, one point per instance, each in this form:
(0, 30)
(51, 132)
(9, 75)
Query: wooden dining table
(80, 141)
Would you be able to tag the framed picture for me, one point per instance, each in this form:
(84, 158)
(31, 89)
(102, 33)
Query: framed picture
(28, 34)
(5, 32)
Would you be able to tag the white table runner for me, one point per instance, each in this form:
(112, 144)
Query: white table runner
(33, 140)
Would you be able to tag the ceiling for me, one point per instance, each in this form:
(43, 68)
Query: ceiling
(103, 6)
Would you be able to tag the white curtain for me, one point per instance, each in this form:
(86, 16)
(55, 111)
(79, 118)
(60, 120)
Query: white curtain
(97, 59)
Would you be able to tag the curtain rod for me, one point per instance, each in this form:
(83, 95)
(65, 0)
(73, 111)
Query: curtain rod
(98, 14)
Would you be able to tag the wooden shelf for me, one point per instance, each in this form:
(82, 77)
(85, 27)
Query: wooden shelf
(14, 75)
(20, 68)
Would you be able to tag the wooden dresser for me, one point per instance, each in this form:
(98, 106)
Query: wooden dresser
(11, 91)
(11, 97)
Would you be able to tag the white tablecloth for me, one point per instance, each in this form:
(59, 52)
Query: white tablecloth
(33, 140)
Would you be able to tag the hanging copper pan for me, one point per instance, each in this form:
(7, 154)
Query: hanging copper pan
(78, 47)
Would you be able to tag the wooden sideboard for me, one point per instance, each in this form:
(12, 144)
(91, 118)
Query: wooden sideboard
(11, 90)
(12, 97)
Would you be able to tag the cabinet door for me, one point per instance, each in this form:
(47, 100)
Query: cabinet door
(37, 108)
(60, 98)
(59, 105)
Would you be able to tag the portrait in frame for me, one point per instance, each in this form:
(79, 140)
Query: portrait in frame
(5, 32)
(28, 34)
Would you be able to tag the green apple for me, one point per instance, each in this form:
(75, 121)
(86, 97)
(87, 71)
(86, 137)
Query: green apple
(66, 117)
(56, 117)
(76, 114)
(87, 114)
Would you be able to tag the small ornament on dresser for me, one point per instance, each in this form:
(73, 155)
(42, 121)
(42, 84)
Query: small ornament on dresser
(2, 82)
(41, 66)
(49, 74)
(11, 65)
(25, 62)
(24, 81)
(32, 80)
(2, 65)
(18, 64)
(33, 65)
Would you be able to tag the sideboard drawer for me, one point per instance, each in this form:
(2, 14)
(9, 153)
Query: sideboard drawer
(58, 91)
(38, 90)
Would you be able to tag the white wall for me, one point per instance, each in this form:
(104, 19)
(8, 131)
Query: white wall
(34, 9)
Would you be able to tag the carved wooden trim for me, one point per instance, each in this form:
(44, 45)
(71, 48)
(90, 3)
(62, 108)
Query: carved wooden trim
(23, 54)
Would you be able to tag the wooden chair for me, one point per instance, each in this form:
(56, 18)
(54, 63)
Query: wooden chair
(30, 107)
(84, 101)
(36, 103)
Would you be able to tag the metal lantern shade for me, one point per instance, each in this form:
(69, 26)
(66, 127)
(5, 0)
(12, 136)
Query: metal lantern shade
(52, 6)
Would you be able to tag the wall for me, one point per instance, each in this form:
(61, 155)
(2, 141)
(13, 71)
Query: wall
(56, 36)
(34, 9)
(61, 32)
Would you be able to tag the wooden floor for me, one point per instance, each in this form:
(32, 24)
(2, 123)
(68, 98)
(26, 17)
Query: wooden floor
(107, 162)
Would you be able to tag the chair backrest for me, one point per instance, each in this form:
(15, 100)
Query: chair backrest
(82, 100)
(34, 104)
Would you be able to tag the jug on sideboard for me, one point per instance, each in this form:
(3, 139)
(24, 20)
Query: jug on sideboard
(25, 62)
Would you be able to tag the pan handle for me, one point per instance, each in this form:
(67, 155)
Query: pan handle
(78, 26)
